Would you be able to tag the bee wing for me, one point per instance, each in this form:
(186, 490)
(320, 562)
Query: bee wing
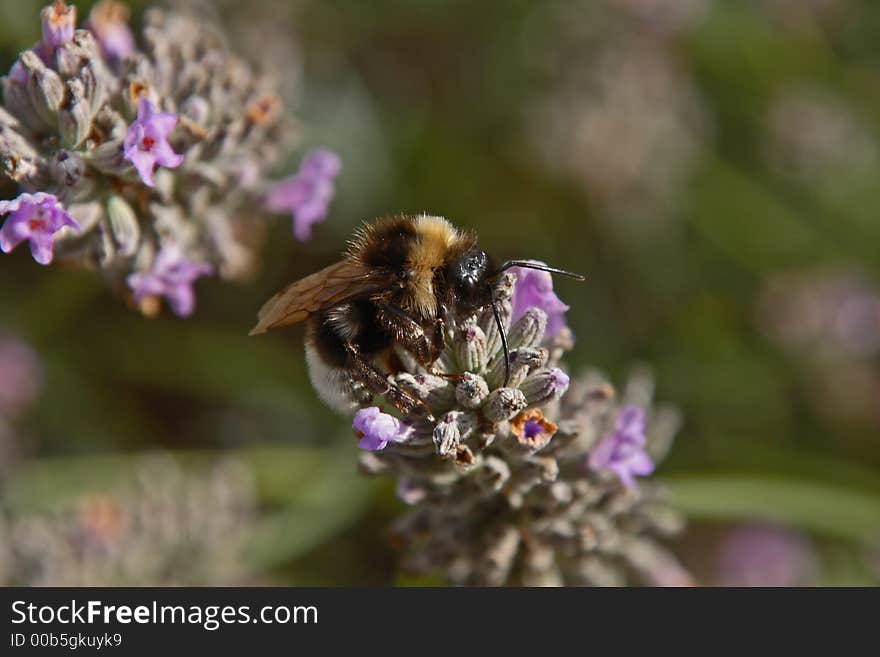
(332, 285)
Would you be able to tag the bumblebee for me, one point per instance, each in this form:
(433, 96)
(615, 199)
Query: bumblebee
(399, 283)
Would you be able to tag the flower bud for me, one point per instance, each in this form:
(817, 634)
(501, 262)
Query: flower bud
(487, 321)
(503, 404)
(124, 225)
(17, 99)
(447, 434)
(470, 347)
(528, 331)
(44, 86)
(522, 361)
(74, 120)
(435, 391)
(545, 386)
(58, 23)
(107, 158)
(471, 391)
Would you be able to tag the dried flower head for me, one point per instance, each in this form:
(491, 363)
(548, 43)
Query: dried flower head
(496, 484)
(166, 145)
(532, 429)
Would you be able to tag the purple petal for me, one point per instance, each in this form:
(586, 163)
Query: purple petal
(372, 443)
(601, 454)
(144, 110)
(560, 379)
(623, 473)
(143, 162)
(534, 289)
(41, 246)
(144, 285)
(641, 464)
(631, 423)
(321, 162)
(287, 195)
(165, 156)
(166, 121)
(363, 417)
(15, 230)
(182, 300)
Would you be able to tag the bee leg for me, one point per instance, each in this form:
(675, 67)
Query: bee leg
(378, 384)
(426, 347)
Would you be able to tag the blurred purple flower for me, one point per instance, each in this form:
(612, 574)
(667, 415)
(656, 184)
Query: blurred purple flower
(20, 375)
(559, 379)
(623, 451)
(146, 142)
(377, 429)
(534, 289)
(171, 276)
(307, 194)
(108, 21)
(36, 218)
(58, 23)
(760, 554)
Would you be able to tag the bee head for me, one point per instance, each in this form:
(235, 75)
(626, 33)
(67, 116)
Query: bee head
(469, 278)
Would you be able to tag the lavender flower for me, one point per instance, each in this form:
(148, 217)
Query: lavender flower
(58, 23)
(108, 21)
(36, 218)
(377, 429)
(146, 142)
(765, 555)
(20, 375)
(80, 120)
(534, 289)
(623, 451)
(495, 486)
(307, 195)
(171, 276)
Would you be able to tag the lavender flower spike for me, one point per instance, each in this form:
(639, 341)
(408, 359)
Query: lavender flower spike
(171, 276)
(146, 142)
(623, 451)
(108, 21)
(495, 483)
(36, 218)
(307, 195)
(58, 23)
(534, 289)
(378, 429)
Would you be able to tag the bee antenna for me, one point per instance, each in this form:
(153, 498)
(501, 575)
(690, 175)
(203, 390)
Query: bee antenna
(504, 346)
(535, 265)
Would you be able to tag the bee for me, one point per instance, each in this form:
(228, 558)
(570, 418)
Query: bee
(400, 281)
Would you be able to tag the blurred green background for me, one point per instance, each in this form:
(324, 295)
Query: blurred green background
(711, 165)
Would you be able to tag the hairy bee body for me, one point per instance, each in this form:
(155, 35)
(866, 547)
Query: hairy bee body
(399, 282)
